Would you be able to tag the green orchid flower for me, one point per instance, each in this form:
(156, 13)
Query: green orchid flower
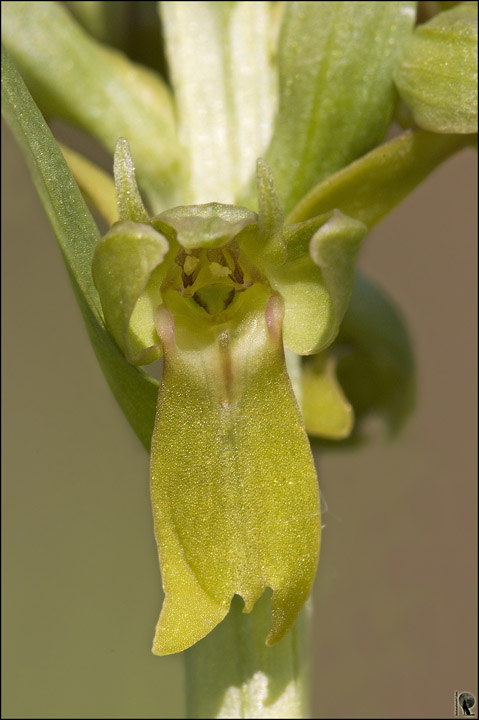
(248, 310)
(217, 289)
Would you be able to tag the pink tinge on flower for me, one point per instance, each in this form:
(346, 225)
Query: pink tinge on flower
(274, 314)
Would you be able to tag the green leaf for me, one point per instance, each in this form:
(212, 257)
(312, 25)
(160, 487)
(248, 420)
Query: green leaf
(317, 278)
(96, 185)
(219, 56)
(376, 365)
(128, 270)
(337, 95)
(57, 189)
(437, 77)
(77, 235)
(229, 518)
(75, 78)
(135, 391)
(373, 185)
(325, 409)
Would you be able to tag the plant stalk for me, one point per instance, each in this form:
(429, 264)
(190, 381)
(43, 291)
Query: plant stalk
(231, 673)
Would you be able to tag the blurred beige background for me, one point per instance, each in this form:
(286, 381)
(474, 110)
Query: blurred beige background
(395, 599)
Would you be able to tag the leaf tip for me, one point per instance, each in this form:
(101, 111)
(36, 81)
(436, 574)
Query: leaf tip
(130, 204)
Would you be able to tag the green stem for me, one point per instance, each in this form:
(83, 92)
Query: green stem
(231, 673)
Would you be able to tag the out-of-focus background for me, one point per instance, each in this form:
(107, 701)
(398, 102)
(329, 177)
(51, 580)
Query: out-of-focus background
(395, 598)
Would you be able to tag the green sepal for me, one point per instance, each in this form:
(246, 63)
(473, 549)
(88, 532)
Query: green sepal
(326, 411)
(317, 278)
(130, 204)
(229, 518)
(437, 77)
(128, 271)
(204, 226)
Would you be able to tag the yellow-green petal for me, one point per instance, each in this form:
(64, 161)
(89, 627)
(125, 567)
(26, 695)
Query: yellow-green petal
(231, 517)
(326, 411)
(130, 204)
(317, 279)
(128, 271)
(271, 217)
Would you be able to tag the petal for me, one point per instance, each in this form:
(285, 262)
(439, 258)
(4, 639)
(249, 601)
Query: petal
(234, 490)
(326, 411)
(267, 246)
(271, 216)
(130, 204)
(128, 270)
(317, 279)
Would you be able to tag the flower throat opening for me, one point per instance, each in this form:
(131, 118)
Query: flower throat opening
(212, 277)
